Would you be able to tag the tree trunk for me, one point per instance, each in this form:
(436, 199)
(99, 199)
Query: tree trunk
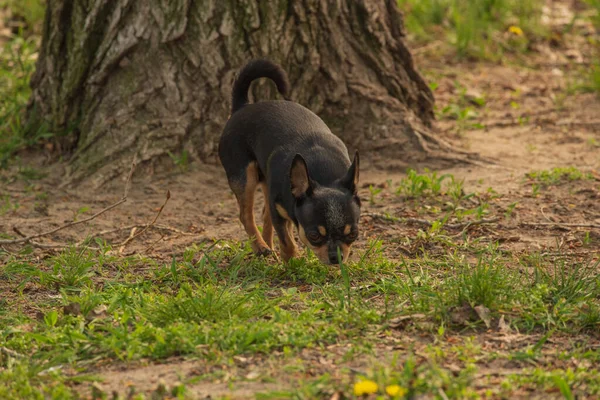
(152, 77)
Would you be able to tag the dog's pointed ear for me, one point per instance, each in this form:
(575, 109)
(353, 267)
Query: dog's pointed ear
(299, 178)
(350, 181)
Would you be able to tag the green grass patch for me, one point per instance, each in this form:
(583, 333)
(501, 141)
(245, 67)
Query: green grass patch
(18, 57)
(556, 176)
(215, 303)
(595, 8)
(417, 185)
(17, 64)
(481, 29)
(30, 12)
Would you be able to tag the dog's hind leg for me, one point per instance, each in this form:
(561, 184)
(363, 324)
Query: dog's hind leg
(244, 190)
(267, 232)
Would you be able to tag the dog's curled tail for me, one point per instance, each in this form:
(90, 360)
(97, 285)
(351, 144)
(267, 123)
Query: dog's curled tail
(254, 70)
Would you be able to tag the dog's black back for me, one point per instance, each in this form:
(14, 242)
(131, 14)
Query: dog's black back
(273, 132)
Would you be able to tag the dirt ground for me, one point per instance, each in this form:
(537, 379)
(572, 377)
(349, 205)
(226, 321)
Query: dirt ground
(202, 208)
(530, 124)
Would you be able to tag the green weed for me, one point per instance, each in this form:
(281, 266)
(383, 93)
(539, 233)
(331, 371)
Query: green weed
(592, 79)
(32, 380)
(17, 63)
(482, 29)
(31, 11)
(71, 269)
(565, 380)
(416, 185)
(373, 192)
(595, 6)
(557, 175)
(510, 209)
(180, 160)
(216, 301)
(485, 283)
(7, 205)
(462, 109)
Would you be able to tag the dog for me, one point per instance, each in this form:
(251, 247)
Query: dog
(304, 170)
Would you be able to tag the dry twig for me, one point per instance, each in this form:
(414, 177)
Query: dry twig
(10, 353)
(155, 226)
(427, 223)
(29, 239)
(134, 235)
(561, 225)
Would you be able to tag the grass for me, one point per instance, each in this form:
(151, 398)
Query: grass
(417, 185)
(594, 5)
(66, 313)
(408, 325)
(17, 64)
(31, 12)
(591, 79)
(464, 109)
(481, 29)
(228, 303)
(557, 175)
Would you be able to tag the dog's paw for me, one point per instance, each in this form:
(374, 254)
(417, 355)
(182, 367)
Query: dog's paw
(263, 251)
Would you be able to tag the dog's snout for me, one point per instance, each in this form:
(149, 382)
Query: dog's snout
(334, 253)
(333, 258)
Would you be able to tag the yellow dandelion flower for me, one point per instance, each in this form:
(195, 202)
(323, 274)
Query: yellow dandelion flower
(395, 391)
(516, 30)
(365, 387)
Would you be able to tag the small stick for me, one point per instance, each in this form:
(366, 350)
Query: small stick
(18, 232)
(130, 238)
(154, 244)
(70, 224)
(544, 214)
(428, 223)
(10, 352)
(155, 226)
(559, 224)
(570, 253)
(60, 228)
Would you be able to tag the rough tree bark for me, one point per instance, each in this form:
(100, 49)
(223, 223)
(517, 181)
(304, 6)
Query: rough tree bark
(149, 77)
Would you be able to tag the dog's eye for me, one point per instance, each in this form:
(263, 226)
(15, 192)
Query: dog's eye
(352, 235)
(314, 236)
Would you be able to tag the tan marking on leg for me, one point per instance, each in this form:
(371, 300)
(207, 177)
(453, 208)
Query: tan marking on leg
(322, 230)
(267, 232)
(288, 244)
(345, 249)
(347, 229)
(320, 252)
(246, 203)
(282, 212)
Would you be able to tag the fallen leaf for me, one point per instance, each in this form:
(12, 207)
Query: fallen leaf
(336, 396)
(463, 314)
(97, 313)
(503, 326)
(403, 321)
(73, 309)
(484, 314)
(253, 375)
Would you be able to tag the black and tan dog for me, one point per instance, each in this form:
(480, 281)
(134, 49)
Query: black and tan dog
(303, 169)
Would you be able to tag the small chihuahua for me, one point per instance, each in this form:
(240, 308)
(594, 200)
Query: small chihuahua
(303, 169)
